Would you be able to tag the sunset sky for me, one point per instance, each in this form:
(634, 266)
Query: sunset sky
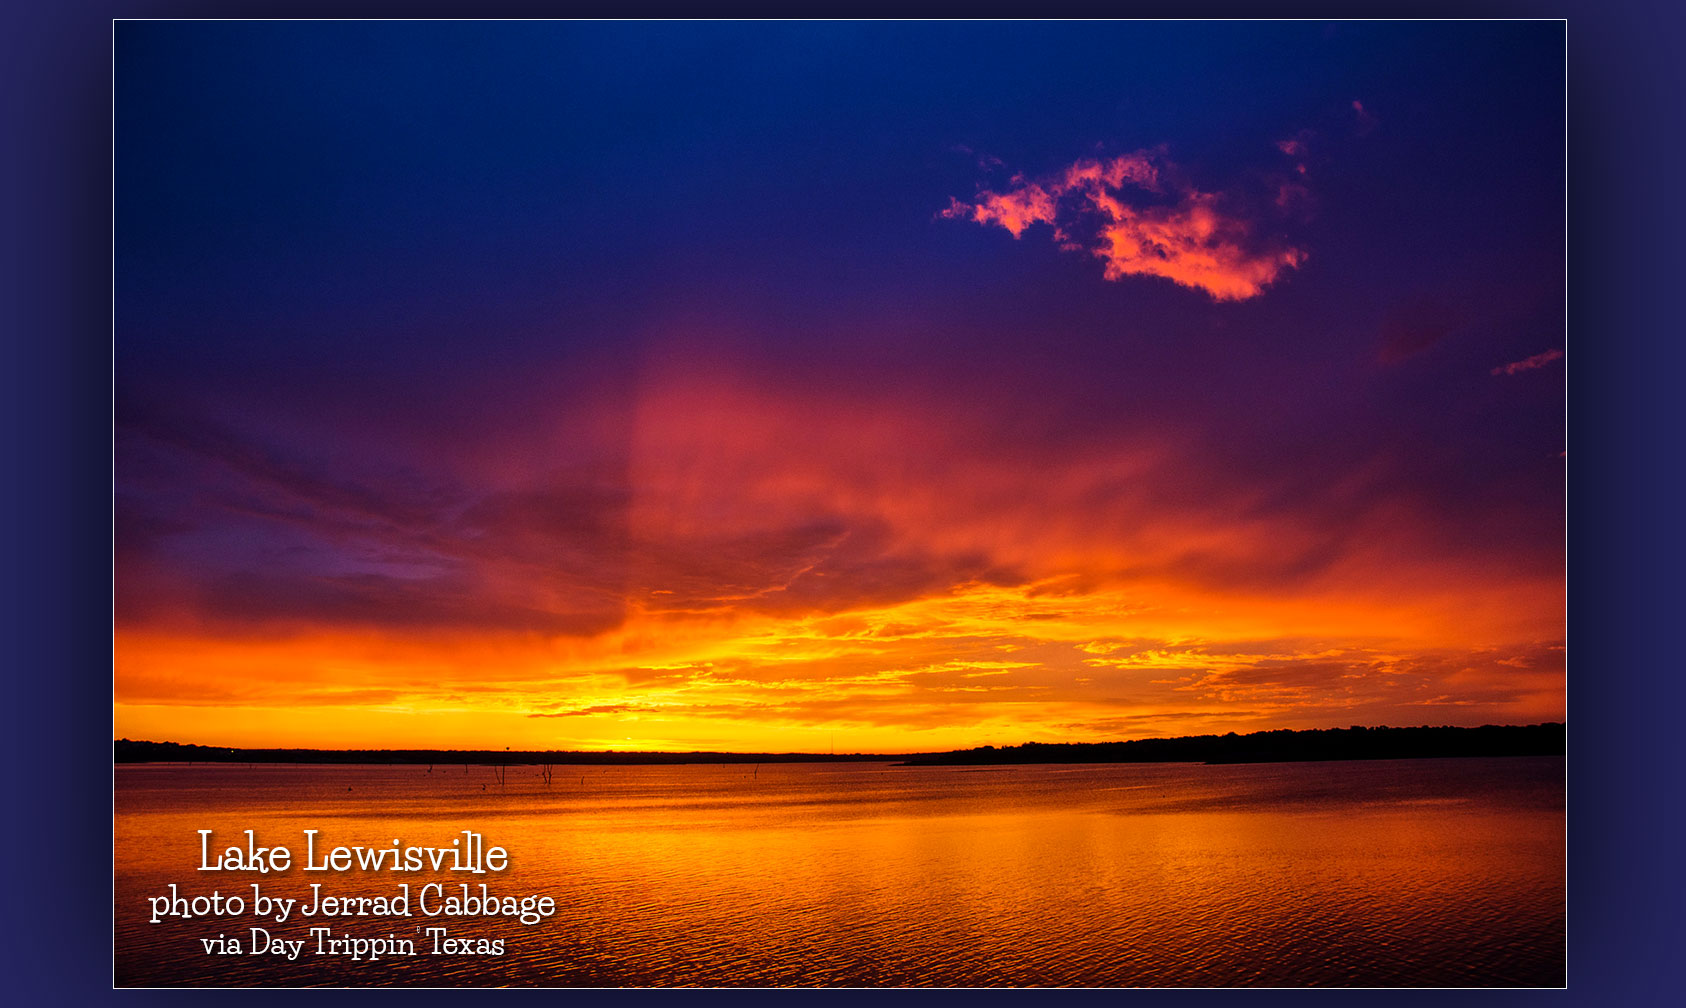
(891, 387)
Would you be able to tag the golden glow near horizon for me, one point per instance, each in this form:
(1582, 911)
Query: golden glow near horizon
(979, 665)
(792, 575)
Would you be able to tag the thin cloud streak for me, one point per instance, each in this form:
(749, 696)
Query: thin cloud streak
(1539, 360)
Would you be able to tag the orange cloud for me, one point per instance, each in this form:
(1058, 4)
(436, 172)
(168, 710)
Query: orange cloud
(1015, 211)
(1135, 215)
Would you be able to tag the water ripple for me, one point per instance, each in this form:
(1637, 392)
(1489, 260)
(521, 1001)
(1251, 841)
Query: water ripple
(1431, 873)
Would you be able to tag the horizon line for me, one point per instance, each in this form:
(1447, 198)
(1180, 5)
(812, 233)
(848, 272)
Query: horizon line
(821, 756)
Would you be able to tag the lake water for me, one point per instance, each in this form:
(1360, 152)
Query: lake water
(1382, 873)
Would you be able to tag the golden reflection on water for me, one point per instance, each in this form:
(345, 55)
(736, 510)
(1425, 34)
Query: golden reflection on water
(1387, 873)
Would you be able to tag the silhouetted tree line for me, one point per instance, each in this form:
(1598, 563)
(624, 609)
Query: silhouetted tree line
(1281, 746)
(127, 751)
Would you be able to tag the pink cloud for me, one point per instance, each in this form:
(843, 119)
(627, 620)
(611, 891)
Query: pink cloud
(1015, 211)
(1128, 212)
(1539, 360)
(1298, 148)
(1366, 119)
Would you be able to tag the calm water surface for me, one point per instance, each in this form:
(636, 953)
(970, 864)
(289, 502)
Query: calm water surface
(1383, 873)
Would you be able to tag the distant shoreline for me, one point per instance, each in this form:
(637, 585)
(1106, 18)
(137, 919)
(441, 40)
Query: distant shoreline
(1281, 746)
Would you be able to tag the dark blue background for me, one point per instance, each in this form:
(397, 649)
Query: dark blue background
(1625, 558)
